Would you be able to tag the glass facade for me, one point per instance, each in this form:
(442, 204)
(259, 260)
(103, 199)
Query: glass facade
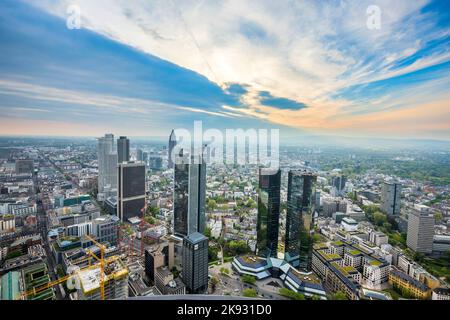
(181, 198)
(189, 197)
(300, 218)
(268, 212)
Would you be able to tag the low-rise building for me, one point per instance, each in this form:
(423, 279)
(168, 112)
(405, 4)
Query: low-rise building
(441, 293)
(408, 285)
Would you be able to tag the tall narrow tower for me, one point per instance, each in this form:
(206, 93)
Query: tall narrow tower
(300, 218)
(123, 149)
(107, 165)
(172, 144)
(268, 212)
(189, 195)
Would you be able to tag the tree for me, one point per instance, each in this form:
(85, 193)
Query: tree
(419, 257)
(213, 282)
(152, 211)
(248, 279)
(224, 271)
(438, 217)
(211, 205)
(150, 219)
(212, 253)
(379, 218)
(291, 294)
(250, 293)
(207, 232)
(339, 295)
(234, 248)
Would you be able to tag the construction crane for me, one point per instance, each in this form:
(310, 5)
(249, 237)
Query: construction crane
(101, 260)
(91, 255)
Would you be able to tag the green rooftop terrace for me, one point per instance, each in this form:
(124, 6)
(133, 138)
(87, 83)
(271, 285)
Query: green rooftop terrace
(320, 246)
(354, 252)
(330, 256)
(345, 270)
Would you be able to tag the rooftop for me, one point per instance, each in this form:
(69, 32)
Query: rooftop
(330, 256)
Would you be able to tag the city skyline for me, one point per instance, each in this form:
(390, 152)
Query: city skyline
(251, 70)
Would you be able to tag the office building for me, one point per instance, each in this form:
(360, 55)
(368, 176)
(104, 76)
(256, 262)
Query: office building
(123, 149)
(299, 219)
(189, 196)
(153, 260)
(420, 231)
(155, 162)
(267, 224)
(172, 144)
(167, 284)
(105, 229)
(349, 224)
(414, 288)
(195, 263)
(107, 166)
(338, 185)
(333, 205)
(131, 190)
(24, 166)
(139, 155)
(390, 198)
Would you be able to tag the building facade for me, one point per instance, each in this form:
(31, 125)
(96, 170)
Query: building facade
(390, 198)
(172, 144)
(195, 263)
(107, 165)
(131, 190)
(189, 196)
(420, 232)
(123, 149)
(268, 212)
(300, 218)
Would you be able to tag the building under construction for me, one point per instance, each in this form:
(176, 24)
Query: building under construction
(115, 281)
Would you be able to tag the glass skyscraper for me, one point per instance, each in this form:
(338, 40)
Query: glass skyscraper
(172, 144)
(300, 218)
(189, 196)
(107, 166)
(268, 212)
(123, 149)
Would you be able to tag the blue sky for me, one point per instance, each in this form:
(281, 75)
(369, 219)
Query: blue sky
(143, 67)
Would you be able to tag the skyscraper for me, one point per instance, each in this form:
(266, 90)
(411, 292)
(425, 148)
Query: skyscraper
(300, 218)
(189, 195)
(195, 263)
(123, 149)
(337, 185)
(268, 212)
(420, 231)
(131, 190)
(390, 198)
(139, 155)
(172, 144)
(107, 166)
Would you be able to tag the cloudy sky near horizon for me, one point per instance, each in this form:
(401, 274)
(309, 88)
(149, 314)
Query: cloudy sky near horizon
(143, 67)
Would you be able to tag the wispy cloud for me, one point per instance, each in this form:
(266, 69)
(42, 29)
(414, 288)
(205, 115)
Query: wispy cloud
(307, 64)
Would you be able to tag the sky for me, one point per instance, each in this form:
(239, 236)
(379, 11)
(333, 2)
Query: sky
(141, 68)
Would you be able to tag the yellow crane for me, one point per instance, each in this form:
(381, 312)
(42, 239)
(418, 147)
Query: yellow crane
(91, 255)
(101, 260)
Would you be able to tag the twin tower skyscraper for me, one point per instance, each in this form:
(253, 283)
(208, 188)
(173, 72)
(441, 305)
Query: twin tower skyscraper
(299, 218)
